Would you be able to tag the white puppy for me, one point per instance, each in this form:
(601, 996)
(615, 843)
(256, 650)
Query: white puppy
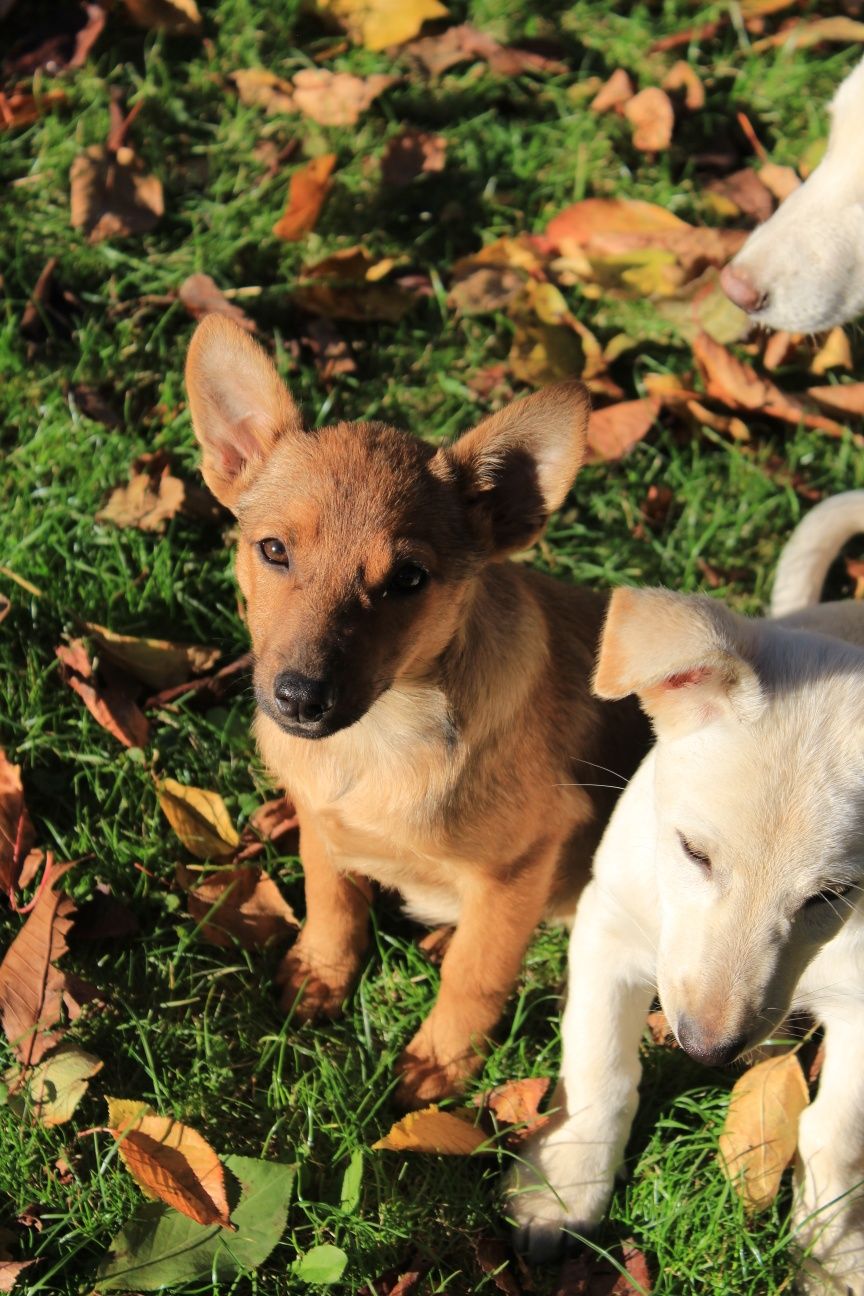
(729, 879)
(803, 270)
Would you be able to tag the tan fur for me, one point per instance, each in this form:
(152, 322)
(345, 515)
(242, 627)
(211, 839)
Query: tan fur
(456, 776)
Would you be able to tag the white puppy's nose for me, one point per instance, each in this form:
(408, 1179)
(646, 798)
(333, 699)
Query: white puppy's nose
(741, 289)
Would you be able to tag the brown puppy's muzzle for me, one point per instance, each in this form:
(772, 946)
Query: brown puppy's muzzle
(304, 702)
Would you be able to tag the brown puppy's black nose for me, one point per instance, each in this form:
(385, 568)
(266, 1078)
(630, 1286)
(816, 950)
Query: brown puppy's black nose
(302, 700)
(706, 1049)
(740, 288)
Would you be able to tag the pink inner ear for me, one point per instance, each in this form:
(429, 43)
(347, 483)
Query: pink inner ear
(697, 675)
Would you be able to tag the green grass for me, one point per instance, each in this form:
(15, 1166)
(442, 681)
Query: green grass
(193, 1029)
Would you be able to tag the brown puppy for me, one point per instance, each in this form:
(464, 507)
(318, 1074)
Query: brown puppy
(460, 758)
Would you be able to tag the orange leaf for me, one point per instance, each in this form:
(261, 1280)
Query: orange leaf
(241, 906)
(845, 398)
(16, 830)
(614, 93)
(307, 189)
(108, 696)
(201, 296)
(652, 117)
(760, 1133)
(431, 1130)
(681, 76)
(615, 430)
(31, 987)
(517, 1103)
(22, 109)
(170, 1161)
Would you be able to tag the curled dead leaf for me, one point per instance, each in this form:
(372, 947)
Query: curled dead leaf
(834, 353)
(652, 117)
(337, 98)
(760, 1133)
(108, 695)
(840, 398)
(154, 495)
(781, 181)
(16, 830)
(517, 1103)
(682, 76)
(348, 285)
(237, 906)
(615, 430)
(52, 1090)
(307, 190)
(201, 296)
(21, 108)
(614, 93)
(112, 196)
(432, 1130)
(259, 88)
(200, 819)
(152, 661)
(466, 44)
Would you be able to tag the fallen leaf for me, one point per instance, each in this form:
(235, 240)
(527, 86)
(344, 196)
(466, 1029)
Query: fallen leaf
(348, 285)
(94, 403)
(50, 305)
(779, 349)
(701, 306)
(380, 23)
(842, 398)
(781, 181)
(16, 830)
(259, 88)
(170, 1161)
(160, 1248)
(760, 1133)
(175, 17)
(331, 353)
(431, 1130)
(237, 906)
(725, 424)
(682, 76)
(659, 1029)
(747, 193)
(105, 693)
(652, 117)
(31, 987)
(517, 1103)
(209, 689)
(590, 1274)
(689, 36)
(410, 154)
(337, 98)
(65, 48)
(494, 1257)
(541, 354)
(465, 43)
(154, 495)
(842, 31)
(834, 353)
(614, 93)
(307, 189)
(200, 819)
(53, 1089)
(615, 430)
(485, 290)
(10, 1271)
(152, 661)
(20, 108)
(274, 820)
(111, 196)
(322, 1265)
(201, 296)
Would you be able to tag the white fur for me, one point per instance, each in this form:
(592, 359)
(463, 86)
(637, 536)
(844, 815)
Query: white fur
(807, 260)
(775, 797)
(814, 545)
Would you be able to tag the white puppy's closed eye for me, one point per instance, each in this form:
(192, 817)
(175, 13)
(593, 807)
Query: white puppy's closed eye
(803, 269)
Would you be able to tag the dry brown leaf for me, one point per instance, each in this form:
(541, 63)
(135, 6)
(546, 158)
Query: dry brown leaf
(274, 819)
(410, 154)
(152, 661)
(486, 290)
(689, 36)
(16, 830)
(31, 987)
(379, 23)
(760, 1133)
(209, 689)
(107, 694)
(10, 1271)
(200, 819)
(541, 354)
(615, 430)
(834, 353)
(652, 117)
(237, 906)
(432, 1130)
(838, 29)
(170, 1161)
(614, 93)
(701, 306)
(842, 398)
(659, 1029)
(467, 44)
(781, 181)
(517, 1103)
(725, 424)
(494, 1258)
(347, 285)
(155, 495)
(176, 17)
(20, 108)
(331, 353)
(779, 348)
(337, 98)
(65, 48)
(259, 88)
(681, 76)
(307, 189)
(746, 192)
(201, 296)
(111, 196)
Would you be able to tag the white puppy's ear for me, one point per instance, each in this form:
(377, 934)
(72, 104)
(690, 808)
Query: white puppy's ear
(240, 406)
(688, 658)
(519, 464)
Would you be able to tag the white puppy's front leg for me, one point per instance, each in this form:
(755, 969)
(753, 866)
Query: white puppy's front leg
(566, 1173)
(829, 1207)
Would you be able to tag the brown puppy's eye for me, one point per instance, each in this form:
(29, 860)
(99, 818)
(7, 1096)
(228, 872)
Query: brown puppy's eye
(826, 896)
(697, 856)
(408, 578)
(274, 551)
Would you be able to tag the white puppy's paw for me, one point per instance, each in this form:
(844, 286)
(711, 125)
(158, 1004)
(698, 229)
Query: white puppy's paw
(560, 1187)
(832, 1250)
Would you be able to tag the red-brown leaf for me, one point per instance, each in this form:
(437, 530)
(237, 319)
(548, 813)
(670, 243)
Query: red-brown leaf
(109, 699)
(16, 830)
(615, 430)
(307, 190)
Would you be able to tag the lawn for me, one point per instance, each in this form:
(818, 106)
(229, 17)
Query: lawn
(194, 1029)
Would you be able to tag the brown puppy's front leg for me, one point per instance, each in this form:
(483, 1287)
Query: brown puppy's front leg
(318, 972)
(481, 964)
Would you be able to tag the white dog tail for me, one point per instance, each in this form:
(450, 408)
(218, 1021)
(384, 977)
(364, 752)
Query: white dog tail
(811, 549)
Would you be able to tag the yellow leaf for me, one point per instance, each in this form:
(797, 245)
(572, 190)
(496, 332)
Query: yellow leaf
(153, 661)
(834, 353)
(431, 1130)
(200, 819)
(53, 1090)
(170, 1161)
(176, 17)
(761, 1130)
(544, 353)
(379, 23)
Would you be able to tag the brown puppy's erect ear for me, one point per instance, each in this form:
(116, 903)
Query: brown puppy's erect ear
(687, 658)
(240, 406)
(518, 465)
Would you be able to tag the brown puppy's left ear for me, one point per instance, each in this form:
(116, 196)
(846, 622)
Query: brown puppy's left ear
(240, 406)
(518, 465)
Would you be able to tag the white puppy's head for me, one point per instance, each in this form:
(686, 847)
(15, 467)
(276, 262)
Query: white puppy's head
(803, 270)
(760, 804)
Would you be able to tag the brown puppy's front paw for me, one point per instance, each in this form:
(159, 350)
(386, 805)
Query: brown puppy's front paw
(426, 1079)
(312, 988)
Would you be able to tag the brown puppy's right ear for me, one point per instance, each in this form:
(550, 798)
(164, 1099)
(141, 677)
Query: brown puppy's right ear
(240, 406)
(687, 658)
